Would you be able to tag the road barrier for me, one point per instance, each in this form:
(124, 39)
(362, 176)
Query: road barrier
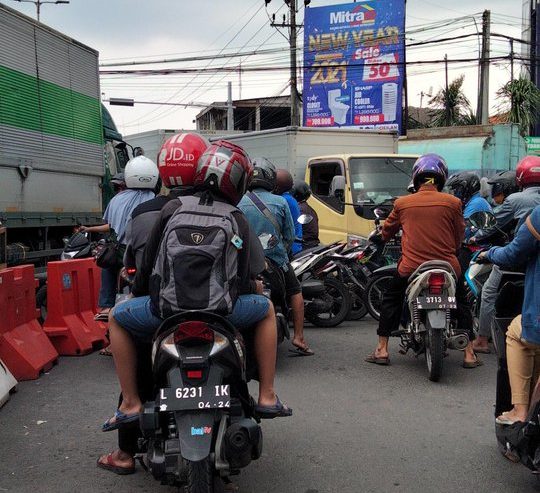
(72, 294)
(24, 347)
(7, 383)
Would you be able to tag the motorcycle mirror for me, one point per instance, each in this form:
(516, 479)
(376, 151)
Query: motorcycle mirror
(268, 241)
(380, 213)
(305, 219)
(65, 239)
(482, 220)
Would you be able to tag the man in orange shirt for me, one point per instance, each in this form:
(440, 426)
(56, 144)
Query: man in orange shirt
(433, 229)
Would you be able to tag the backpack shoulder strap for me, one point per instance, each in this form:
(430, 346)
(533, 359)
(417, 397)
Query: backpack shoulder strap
(265, 211)
(531, 228)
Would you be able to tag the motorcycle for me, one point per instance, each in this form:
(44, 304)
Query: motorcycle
(326, 298)
(427, 323)
(201, 426)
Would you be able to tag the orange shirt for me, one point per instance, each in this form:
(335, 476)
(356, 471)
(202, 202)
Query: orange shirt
(433, 228)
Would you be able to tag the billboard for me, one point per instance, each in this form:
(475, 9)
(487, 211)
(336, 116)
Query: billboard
(353, 65)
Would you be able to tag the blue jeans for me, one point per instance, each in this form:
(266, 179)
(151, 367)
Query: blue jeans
(136, 317)
(107, 292)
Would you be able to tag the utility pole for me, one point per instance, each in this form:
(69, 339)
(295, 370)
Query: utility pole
(293, 32)
(39, 3)
(446, 106)
(511, 59)
(230, 110)
(482, 108)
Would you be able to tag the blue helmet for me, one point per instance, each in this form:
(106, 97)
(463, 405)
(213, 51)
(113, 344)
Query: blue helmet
(430, 166)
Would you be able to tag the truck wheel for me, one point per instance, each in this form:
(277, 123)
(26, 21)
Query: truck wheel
(41, 303)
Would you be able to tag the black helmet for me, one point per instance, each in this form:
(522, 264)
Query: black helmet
(463, 185)
(264, 174)
(301, 191)
(503, 182)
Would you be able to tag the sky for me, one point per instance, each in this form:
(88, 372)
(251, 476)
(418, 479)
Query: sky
(134, 30)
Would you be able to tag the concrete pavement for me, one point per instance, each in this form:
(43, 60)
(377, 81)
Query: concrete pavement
(356, 427)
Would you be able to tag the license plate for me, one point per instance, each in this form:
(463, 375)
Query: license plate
(191, 398)
(436, 302)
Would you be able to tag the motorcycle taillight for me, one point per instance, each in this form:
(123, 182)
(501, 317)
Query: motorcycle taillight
(437, 282)
(193, 331)
(131, 271)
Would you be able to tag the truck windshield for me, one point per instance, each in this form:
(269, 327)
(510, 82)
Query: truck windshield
(376, 180)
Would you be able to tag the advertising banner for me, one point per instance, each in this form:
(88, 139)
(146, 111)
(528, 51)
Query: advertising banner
(353, 65)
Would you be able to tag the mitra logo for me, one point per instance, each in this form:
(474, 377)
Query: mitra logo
(360, 15)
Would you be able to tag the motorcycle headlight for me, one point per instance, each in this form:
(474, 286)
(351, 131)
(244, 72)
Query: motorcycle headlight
(355, 241)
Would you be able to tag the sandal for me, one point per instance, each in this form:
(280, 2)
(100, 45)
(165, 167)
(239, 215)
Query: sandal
(106, 351)
(378, 360)
(301, 351)
(120, 419)
(472, 364)
(503, 419)
(278, 410)
(109, 465)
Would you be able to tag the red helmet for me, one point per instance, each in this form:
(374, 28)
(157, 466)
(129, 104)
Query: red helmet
(528, 171)
(224, 168)
(178, 158)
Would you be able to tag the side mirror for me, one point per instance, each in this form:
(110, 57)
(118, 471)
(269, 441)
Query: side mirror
(138, 151)
(380, 213)
(482, 220)
(337, 187)
(305, 219)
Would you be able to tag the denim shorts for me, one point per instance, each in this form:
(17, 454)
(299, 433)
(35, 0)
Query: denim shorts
(136, 317)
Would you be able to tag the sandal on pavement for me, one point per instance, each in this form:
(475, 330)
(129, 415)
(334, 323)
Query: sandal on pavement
(472, 364)
(120, 419)
(278, 410)
(372, 358)
(301, 351)
(503, 419)
(110, 465)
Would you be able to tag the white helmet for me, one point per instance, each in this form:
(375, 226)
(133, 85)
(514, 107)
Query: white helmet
(141, 172)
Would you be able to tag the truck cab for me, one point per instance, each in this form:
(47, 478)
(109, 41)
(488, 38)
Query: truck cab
(346, 188)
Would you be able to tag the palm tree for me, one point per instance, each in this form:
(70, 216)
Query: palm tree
(451, 107)
(519, 103)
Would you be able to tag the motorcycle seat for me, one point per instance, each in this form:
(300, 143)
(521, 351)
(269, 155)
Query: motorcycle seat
(433, 264)
(307, 251)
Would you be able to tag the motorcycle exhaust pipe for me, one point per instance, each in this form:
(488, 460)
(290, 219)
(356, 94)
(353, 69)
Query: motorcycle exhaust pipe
(459, 342)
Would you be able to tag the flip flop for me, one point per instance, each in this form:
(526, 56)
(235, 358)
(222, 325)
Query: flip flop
(301, 351)
(472, 364)
(504, 420)
(109, 465)
(120, 419)
(102, 317)
(378, 361)
(278, 410)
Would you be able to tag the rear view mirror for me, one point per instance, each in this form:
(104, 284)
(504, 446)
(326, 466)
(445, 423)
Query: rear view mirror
(305, 219)
(380, 213)
(482, 220)
(337, 187)
(268, 241)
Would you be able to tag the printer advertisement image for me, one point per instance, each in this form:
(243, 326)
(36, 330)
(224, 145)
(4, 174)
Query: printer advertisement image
(353, 65)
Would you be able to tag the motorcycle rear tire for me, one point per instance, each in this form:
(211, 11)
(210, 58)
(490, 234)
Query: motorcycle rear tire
(374, 293)
(434, 352)
(335, 289)
(358, 307)
(202, 477)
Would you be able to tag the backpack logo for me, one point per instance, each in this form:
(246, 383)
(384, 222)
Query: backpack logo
(197, 238)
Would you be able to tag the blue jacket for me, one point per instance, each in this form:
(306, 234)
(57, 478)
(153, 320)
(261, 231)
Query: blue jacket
(295, 213)
(525, 246)
(475, 204)
(261, 224)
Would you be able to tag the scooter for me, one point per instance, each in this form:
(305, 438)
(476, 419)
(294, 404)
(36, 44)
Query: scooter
(201, 426)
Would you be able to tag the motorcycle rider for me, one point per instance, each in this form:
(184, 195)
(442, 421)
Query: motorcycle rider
(177, 162)
(433, 227)
(222, 174)
(140, 176)
(502, 185)
(523, 336)
(310, 232)
(284, 184)
(270, 214)
(515, 209)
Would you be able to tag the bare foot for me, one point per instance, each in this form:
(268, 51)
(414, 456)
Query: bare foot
(300, 342)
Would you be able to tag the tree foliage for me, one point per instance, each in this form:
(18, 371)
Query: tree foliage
(451, 107)
(519, 102)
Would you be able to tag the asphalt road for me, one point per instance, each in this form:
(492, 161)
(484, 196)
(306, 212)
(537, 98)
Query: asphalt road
(356, 427)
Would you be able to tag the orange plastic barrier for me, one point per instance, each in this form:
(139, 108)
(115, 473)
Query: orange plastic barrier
(72, 289)
(24, 347)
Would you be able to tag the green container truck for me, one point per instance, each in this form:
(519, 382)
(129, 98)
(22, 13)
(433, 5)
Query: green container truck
(58, 144)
